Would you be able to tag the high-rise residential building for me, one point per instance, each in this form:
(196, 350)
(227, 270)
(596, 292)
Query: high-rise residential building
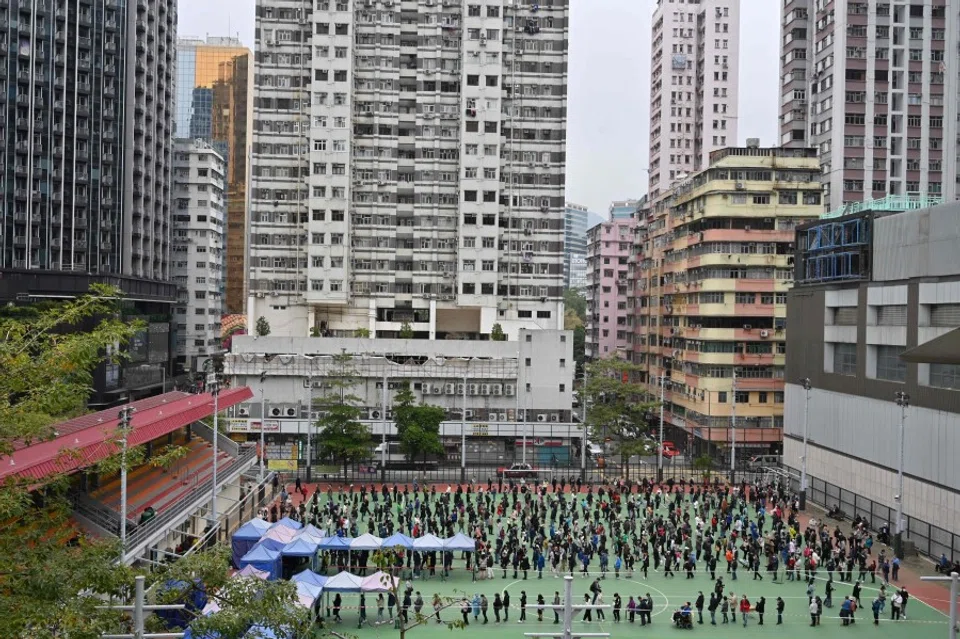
(575, 223)
(717, 265)
(86, 93)
(199, 178)
(694, 84)
(609, 247)
(624, 209)
(868, 83)
(874, 313)
(215, 104)
(408, 167)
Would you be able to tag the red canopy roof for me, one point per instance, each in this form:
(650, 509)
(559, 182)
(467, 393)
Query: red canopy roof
(92, 438)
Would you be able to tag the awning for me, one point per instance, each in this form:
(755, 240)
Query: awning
(942, 350)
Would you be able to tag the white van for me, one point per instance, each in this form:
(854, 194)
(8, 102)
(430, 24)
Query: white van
(764, 461)
(594, 450)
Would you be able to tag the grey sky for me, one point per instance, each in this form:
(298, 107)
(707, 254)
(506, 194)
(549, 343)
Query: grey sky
(607, 132)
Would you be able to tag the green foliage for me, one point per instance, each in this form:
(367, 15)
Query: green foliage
(418, 427)
(497, 334)
(315, 331)
(617, 408)
(580, 348)
(406, 332)
(704, 463)
(362, 333)
(262, 327)
(573, 300)
(342, 435)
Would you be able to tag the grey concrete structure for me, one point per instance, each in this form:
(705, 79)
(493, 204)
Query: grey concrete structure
(694, 86)
(408, 166)
(846, 334)
(868, 82)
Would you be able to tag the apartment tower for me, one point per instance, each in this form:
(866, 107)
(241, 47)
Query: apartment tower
(609, 247)
(408, 166)
(86, 129)
(869, 84)
(215, 104)
(693, 86)
(576, 220)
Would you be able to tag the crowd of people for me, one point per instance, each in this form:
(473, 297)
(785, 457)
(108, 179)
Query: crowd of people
(691, 531)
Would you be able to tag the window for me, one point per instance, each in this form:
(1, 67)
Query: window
(762, 398)
(945, 375)
(722, 397)
(742, 397)
(469, 196)
(845, 359)
(563, 387)
(889, 365)
(473, 80)
(492, 80)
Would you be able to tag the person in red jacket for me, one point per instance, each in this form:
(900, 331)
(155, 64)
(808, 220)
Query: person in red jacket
(744, 609)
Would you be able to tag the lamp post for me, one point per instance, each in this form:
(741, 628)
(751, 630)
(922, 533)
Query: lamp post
(383, 423)
(733, 432)
(213, 383)
(463, 434)
(263, 425)
(583, 440)
(805, 382)
(903, 401)
(663, 383)
(125, 416)
(309, 405)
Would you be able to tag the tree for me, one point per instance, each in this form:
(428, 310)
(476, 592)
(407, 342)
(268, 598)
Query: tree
(704, 463)
(363, 333)
(342, 435)
(616, 407)
(497, 334)
(418, 427)
(573, 300)
(263, 326)
(53, 580)
(406, 332)
(580, 348)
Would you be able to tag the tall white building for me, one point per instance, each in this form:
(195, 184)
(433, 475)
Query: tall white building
(408, 166)
(694, 84)
(198, 177)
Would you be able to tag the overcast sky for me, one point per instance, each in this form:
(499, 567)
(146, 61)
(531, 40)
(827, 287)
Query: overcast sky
(607, 132)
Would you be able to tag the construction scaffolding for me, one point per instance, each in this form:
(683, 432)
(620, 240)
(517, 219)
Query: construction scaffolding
(835, 249)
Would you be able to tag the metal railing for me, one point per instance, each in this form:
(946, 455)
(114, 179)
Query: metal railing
(98, 514)
(890, 203)
(179, 509)
(224, 443)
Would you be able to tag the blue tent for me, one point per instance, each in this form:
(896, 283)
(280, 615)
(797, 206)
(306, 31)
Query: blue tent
(335, 543)
(459, 542)
(312, 591)
(301, 548)
(428, 543)
(289, 523)
(195, 598)
(262, 558)
(309, 577)
(397, 539)
(259, 632)
(272, 544)
(247, 537)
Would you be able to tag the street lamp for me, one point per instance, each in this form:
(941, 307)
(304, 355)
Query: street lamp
(263, 425)
(733, 431)
(309, 408)
(903, 401)
(125, 416)
(663, 382)
(805, 382)
(213, 383)
(583, 440)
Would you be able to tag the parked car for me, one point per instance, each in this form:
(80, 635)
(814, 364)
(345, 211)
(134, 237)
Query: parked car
(669, 449)
(517, 471)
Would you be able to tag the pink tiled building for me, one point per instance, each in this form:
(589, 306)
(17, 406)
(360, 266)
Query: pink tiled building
(609, 247)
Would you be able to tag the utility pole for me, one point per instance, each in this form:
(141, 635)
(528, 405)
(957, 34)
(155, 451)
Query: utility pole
(903, 401)
(568, 610)
(663, 379)
(139, 608)
(263, 427)
(954, 580)
(383, 423)
(125, 416)
(463, 434)
(309, 404)
(733, 431)
(213, 383)
(805, 382)
(583, 440)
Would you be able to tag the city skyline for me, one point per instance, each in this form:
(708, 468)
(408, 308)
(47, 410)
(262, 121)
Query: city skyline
(607, 142)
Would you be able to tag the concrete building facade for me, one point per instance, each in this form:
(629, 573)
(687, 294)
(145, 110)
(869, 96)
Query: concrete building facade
(694, 86)
(868, 83)
(609, 247)
(215, 103)
(408, 167)
(717, 265)
(575, 222)
(624, 209)
(848, 328)
(199, 175)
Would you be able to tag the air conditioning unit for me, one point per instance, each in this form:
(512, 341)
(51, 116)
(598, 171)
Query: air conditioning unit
(459, 389)
(375, 414)
(243, 412)
(739, 186)
(764, 333)
(492, 417)
(469, 413)
(554, 417)
(425, 389)
(437, 389)
(497, 389)
(275, 412)
(449, 389)
(291, 412)
(503, 417)
(484, 389)
(471, 389)
(542, 417)
(509, 390)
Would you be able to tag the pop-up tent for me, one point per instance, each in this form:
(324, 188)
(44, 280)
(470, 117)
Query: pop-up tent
(262, 558)
(250, 571)
(309, 577)
(310, 532)
(335, 543)
(246, 537)
(379, 582)
(288, 523)
(459, 542)
(259, 632)
(312, 591)
(344, 582)
(272, 544)
(427, 543)
(397, 539)
(298, 554)
(366, 542)
(280, 533)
